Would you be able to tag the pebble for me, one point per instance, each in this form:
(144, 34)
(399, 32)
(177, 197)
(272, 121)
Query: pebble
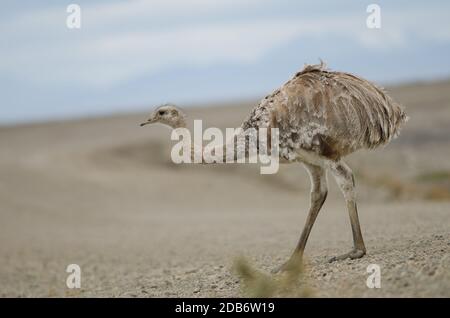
(191, 271)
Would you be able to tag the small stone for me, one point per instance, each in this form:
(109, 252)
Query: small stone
(191, 271)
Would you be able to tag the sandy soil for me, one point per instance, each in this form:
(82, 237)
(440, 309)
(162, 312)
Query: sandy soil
(103, 193)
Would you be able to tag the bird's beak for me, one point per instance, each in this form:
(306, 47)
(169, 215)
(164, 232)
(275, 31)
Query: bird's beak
(149, 121)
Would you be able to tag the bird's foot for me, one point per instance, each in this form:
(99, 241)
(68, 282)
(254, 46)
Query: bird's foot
(293, 264)
(353, 254)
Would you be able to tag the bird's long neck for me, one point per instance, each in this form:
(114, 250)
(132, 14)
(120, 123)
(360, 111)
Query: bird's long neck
(197, 151)
(198, 154)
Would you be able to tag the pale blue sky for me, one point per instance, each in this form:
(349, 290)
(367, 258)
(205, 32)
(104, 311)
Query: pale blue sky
(132, 55)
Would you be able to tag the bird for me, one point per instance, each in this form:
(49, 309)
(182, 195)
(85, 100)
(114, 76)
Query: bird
(321, 116)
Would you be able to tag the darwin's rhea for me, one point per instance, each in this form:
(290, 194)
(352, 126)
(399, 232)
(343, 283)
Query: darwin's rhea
(322, 116)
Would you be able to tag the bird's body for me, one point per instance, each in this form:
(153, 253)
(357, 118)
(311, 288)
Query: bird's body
(321, 117)
(329, 114)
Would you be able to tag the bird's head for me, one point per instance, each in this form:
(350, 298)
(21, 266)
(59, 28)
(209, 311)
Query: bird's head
(167, 114)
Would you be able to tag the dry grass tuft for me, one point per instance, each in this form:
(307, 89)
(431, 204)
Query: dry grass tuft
(260, 285)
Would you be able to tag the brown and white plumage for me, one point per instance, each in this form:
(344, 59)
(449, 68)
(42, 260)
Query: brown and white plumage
(329, 113)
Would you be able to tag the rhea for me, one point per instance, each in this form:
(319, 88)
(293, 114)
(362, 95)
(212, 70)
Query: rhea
(321, 116)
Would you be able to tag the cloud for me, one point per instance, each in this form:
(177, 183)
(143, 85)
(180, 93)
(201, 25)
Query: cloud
(123, 40)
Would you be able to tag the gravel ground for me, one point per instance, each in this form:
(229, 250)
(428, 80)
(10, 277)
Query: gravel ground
(102, 193)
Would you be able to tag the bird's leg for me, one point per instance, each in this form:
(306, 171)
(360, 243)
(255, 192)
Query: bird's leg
(345, 179)
(318, 195)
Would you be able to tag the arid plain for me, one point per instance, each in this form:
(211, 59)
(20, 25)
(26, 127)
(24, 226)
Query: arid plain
(104, 194)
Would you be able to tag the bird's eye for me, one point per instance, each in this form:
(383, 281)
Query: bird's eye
(161, 112)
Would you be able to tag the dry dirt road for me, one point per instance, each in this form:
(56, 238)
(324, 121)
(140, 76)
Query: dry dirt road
(103, 193)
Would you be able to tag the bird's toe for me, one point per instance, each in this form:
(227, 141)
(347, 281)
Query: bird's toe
(293, 264)
(353, 254)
